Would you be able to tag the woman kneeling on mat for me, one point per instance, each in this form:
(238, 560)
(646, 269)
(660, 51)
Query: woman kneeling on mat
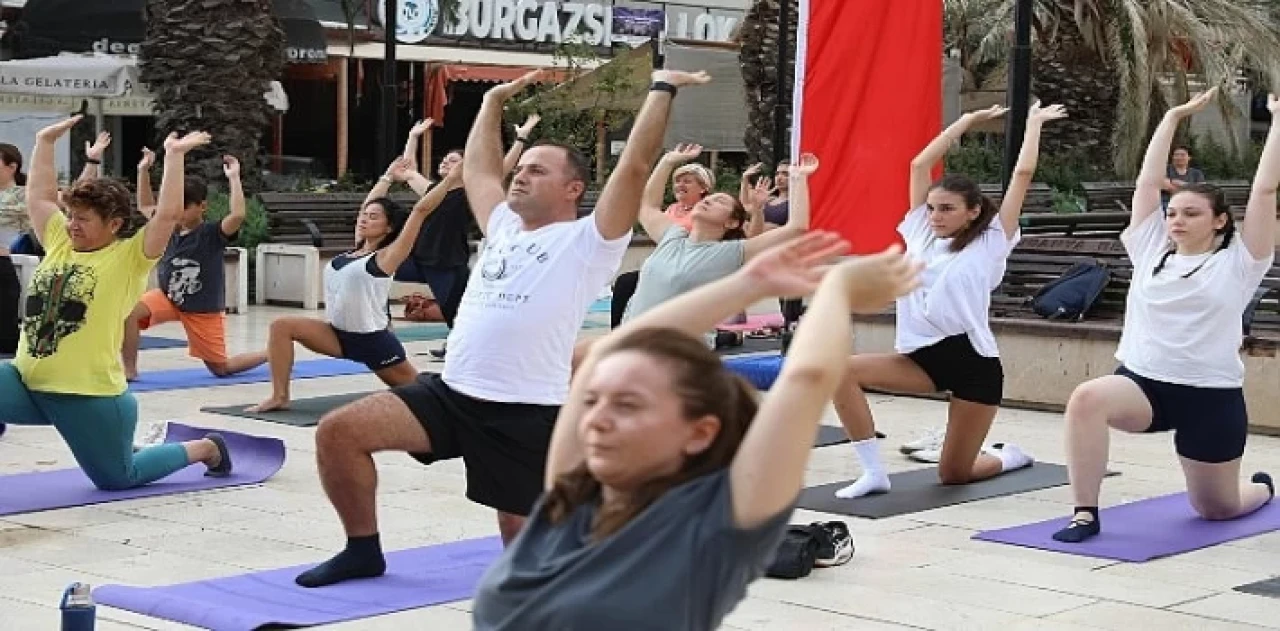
(667, 489)
(1180, 371)
(357, 290)
(944, 339)
(67, 372)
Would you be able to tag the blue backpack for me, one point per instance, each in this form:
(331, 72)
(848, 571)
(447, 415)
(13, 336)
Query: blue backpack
(1072, 295)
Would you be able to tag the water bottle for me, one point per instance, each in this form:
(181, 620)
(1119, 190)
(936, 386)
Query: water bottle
(78, 611)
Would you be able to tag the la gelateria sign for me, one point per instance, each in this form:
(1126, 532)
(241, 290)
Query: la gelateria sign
(550, 22)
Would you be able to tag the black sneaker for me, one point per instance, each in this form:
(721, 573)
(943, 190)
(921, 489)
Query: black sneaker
(224, 464)
(835, 543)
(438, 354)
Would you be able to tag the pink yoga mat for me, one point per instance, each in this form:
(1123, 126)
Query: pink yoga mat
(754, 322)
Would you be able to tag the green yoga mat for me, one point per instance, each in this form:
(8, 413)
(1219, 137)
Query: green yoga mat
(422, 333)
(301, 412)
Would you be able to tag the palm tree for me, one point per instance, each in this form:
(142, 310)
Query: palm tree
(758, 36)
(1117, 64)
(209, 62)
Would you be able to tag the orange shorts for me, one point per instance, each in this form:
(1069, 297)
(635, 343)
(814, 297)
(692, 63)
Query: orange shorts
(206, 332)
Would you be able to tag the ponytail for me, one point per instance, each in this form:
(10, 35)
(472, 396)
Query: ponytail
(20, 178)
(973, 198)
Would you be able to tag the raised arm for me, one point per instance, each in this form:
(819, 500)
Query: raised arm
(798, 216)
(768, 471)
(483, 176)
(922, 165)
(1154, 174)
(235, 190)
(747, 196)
(157, 232)
(42, 180)
(1258, 232)
(521, 143)
(793, 269)
(395, 172)
(1025, 168)
(146, 196)
(93, 153)
(619, 204)
(393, 256)
(652, 218)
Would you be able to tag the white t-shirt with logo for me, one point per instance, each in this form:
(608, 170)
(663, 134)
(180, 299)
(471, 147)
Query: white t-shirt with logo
(1187, 331)
(954, 296)
(526, 300)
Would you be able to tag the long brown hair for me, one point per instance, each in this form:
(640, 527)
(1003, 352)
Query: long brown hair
(10, 155)
(705, 388)
(968, 190)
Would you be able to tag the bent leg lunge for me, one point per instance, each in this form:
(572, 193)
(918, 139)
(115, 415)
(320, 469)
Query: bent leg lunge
(346, 440)
(1095, 407)
(316, 335)
(892, 372)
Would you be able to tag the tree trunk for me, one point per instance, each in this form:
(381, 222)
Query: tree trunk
(209, 62)
(759, 58)
(1068, 72)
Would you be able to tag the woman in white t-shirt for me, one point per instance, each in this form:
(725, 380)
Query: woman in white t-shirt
(944, 341)
(1194, 274)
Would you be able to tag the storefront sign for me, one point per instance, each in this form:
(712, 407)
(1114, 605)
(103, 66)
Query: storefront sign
(122, 106)
(552, 22)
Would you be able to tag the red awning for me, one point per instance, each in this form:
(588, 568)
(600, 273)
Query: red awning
(437, 86)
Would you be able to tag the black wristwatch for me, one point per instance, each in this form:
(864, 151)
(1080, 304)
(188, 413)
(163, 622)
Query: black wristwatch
(663, 86)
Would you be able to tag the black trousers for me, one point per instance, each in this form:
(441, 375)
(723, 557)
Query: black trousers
(623, 289)
(10, 293)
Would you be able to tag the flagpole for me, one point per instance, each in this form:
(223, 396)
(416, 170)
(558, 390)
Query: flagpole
(781, 145)
(1019, 97)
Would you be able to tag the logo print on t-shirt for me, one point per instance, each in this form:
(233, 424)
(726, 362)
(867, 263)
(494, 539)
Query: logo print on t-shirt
(184, 280)
(56, 306)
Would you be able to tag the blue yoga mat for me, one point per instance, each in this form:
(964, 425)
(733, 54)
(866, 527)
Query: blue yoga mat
(200, 378)
(603, 305)
(149, 342)
(254, 459)
(415, 578)
(760, 370)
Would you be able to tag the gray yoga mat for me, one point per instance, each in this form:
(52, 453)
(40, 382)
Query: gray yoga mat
(828, 435)
(301, 412)
(919, 490)
(1269, 588)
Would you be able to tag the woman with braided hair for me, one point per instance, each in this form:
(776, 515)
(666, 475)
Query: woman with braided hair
(1193, 276)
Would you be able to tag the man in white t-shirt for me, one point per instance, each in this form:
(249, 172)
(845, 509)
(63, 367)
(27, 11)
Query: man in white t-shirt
(508, 368)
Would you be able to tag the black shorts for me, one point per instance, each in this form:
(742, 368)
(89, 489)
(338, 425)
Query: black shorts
(955, 367)
(378, 350)
(504, 445)
(1209, 424)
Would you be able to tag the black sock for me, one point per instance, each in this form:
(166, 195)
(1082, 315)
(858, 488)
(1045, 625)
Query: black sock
(1078, 532)
(362, 558)
(1264, 478)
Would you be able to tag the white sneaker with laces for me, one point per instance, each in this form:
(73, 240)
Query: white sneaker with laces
(932, 440)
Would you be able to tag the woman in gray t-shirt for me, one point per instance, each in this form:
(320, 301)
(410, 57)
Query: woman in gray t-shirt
(667, 488)
(716, 244)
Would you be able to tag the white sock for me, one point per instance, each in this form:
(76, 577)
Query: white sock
(1011, 457)
(874, 479)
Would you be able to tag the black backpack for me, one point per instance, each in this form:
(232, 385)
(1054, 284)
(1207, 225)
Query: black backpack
(1072, 295)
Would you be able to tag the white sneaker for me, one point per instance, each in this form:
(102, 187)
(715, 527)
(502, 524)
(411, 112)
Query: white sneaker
(154, 436)
(931, 456)
(932, 440)
(1011, 456)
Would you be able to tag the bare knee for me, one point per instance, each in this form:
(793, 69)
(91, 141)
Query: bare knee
(218, 369)
(1087, 404)
(950, 474)
(1214, 510)
(339, 430)
(280, 328)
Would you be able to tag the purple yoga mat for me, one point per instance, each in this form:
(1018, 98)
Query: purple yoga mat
(254, 459)
(184, 378)
(1142, 531)
(418, 577)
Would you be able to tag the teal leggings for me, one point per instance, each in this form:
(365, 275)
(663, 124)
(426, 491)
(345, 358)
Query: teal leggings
(99, 431)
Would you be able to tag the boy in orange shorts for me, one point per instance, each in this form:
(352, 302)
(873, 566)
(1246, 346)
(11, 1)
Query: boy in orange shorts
(191, 276)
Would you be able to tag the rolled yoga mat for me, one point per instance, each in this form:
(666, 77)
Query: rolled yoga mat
(919, 490)
(415, 578)
(150, 343)
(1141, 531)
(185, 378)
(301, 412)
(254, 459)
